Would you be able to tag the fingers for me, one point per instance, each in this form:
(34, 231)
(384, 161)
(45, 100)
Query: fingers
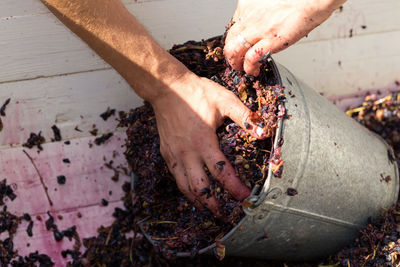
(236, 45)
(253, 55)
(199, 184)
(180, 175)
(234, 108)
(223, 171)
(193, 182)
(246, 57)
(256, 52)
(243, 48)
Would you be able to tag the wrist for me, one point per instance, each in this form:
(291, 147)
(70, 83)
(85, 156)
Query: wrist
(162, 77)
(328, 5)
(171, 79)
(318, 11)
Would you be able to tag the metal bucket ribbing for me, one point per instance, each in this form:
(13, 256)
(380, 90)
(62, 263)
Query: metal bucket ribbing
(336, 166)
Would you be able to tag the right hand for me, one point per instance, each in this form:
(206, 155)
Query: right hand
(187, 118)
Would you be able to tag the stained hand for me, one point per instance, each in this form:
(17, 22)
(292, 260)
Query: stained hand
(187, 119)
(262, 26)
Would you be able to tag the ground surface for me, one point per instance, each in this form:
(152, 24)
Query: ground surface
(54, 78)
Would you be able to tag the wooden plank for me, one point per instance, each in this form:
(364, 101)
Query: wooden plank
(67, 101)
(15, 8)
(176, 21)
(88, 181)
(10, 9)
(344, 66)
(344, 102)
(35, 44)
(39, 45)
(43, 241)
(62, 100)
(377, 16)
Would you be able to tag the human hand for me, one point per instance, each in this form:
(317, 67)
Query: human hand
(262, 26)
(188, 108)
(187, 118)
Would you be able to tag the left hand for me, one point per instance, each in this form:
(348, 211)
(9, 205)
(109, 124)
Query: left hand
(271, 26)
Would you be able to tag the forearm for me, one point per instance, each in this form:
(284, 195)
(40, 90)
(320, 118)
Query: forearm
(110, 30)
(333, 4)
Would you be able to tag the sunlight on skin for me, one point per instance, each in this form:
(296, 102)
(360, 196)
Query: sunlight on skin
(271, 26)
(188, 108)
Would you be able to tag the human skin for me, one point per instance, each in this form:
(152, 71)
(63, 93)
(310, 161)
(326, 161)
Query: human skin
(188, 108)
(271, 26)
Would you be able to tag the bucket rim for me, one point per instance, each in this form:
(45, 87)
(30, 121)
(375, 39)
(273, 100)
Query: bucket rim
(258, 193)
(257, 198)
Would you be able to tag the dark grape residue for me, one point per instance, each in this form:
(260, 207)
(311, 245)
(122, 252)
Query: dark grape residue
(172, 221)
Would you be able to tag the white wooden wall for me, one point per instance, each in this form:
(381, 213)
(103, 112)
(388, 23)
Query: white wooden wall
(52, 77)
(35, 46)
(370, 59)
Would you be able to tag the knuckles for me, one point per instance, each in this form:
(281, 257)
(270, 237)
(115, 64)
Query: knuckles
(198, 143)
(228, 49)
(246, 115)
(251, 65)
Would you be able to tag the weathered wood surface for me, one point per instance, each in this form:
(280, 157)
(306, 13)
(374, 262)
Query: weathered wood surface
(88, 181)
(66, 101)
(92, 217)
(35, 44)
(52, 77)
(345, 66)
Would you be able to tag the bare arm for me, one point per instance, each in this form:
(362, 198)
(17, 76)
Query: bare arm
(179, 97)
(122, 41)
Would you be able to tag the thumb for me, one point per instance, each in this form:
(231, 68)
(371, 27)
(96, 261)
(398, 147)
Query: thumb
(251, 64)
(234, 108)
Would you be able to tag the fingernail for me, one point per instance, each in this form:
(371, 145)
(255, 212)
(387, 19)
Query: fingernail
(259, 131)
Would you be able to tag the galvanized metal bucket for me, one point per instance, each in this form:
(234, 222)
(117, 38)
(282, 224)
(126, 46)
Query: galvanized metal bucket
(337, 168)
